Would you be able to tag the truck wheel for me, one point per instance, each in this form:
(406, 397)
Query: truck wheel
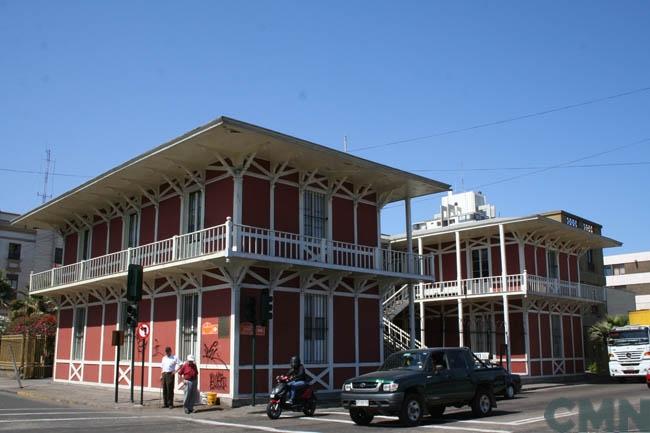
(436, 411)
(411, 412)
(509, 392)
(360, 417)
(481, 403)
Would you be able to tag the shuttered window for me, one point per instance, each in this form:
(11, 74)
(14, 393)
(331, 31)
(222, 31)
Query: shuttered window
(315, 214)
(78, 337)
(189, 323)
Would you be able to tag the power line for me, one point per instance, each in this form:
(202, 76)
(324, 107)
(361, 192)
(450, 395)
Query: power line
(507, 120)
(13, 170)
(605, 164)
(547, 168)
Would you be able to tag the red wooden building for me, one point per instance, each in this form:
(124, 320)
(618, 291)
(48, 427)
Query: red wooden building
(214, 216)
(527, 289)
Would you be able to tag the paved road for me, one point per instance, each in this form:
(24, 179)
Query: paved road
(523, 414)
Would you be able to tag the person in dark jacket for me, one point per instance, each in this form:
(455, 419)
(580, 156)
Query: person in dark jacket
(297, 378)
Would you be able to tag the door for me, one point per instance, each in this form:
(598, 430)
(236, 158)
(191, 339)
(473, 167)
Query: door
(461, 382)
(438, 386)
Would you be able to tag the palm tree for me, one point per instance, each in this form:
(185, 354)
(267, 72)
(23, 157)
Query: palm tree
(598, 334)
(30, 306)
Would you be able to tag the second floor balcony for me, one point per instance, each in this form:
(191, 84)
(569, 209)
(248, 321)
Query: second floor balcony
(237, 241)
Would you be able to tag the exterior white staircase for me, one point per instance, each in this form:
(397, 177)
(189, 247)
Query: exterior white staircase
(395, 338)
(395, 300)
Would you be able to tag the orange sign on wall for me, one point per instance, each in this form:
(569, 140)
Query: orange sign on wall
(246, 328)
(209, 328)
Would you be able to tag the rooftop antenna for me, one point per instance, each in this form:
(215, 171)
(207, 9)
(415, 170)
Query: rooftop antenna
(462, 177)
(345, 143)
(46, 177)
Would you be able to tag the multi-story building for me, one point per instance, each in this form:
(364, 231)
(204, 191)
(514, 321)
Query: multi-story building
(628, 276)
(512, 289)
(458, 208)
(216, 216)
(23, 251)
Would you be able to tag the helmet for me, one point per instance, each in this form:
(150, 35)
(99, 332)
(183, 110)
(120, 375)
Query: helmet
(295, 361)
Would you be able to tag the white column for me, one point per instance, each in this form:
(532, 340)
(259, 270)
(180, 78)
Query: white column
(504, 288)
(234, 339)
(272, 218)
(461, 336)
(330, 336)
(526, 335)
(422, 324)
(238, 186)
(459, 284)
(409, 266)
(356, 332)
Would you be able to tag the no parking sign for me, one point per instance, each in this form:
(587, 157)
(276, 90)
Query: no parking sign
(143, 331)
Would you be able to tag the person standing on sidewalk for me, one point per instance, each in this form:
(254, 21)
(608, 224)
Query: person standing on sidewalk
(168, 367)
(190, 375)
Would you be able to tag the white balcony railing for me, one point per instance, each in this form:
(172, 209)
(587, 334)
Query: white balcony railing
(231, 239)
(514, 283)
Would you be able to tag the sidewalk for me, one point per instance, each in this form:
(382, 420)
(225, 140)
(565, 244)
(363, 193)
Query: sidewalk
(83, 395)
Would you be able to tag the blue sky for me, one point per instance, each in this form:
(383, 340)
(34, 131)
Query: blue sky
(99, 82)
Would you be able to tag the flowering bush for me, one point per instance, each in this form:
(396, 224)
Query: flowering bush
(42, 324)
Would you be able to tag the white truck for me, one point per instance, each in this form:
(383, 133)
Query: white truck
(629, 351)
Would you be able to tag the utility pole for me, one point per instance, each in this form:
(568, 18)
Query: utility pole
(345, 143)
(46, 176)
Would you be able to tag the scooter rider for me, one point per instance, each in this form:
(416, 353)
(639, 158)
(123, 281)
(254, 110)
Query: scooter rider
(297, 377)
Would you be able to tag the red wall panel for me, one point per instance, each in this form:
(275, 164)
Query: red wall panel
(286, 325)
(115, 237)
(93, 333)
(343, 329)
(91, 373)
(245, 341)
(369, 330)
(545, 330)
(98, 247)
(564, 267)
(214, 350)
(342, 219)
(164, 325)
(496, 260)
(261, 379)
(512, 259)
(533, 328)
(567, 337)
(367, 224)
(110, 321)
(448, 267)
(573, 268)
(541, 261)
(70, 246)
(451, 330)
(287, 212)
(65, 333)
(517, 342)
(577, 337)
(529, 254)
(215, 380)
(218, 202)
(147, 225)
(169, 217)
(256, 202)
(342, 374)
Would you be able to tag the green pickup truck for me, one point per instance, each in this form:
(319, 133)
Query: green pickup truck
(410, 382)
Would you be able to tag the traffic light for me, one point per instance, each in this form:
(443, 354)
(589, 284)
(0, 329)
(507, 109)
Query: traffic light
(132, 316)
(250, 310)
(134, 283)
(266, 306)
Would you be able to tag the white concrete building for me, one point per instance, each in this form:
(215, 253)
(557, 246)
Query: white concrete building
(459, 208)
(23, 251)
(628, 277)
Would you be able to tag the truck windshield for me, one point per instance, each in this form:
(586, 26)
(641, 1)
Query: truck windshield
(406, 360)
(632, 336)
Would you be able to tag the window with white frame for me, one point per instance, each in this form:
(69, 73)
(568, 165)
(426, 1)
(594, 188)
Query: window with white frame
(315, 338)
(480, 263)
(556, 337)
(193, 209)
(314, 214)
(481, 333)
(84, 245)
(78, 333)
(126, 350)
(189, 325)
(553, 267)
(132, 230)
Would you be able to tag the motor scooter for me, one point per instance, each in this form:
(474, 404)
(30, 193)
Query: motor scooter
(304, 400)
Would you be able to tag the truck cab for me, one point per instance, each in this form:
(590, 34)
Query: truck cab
(628, 348)
(414, 381)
